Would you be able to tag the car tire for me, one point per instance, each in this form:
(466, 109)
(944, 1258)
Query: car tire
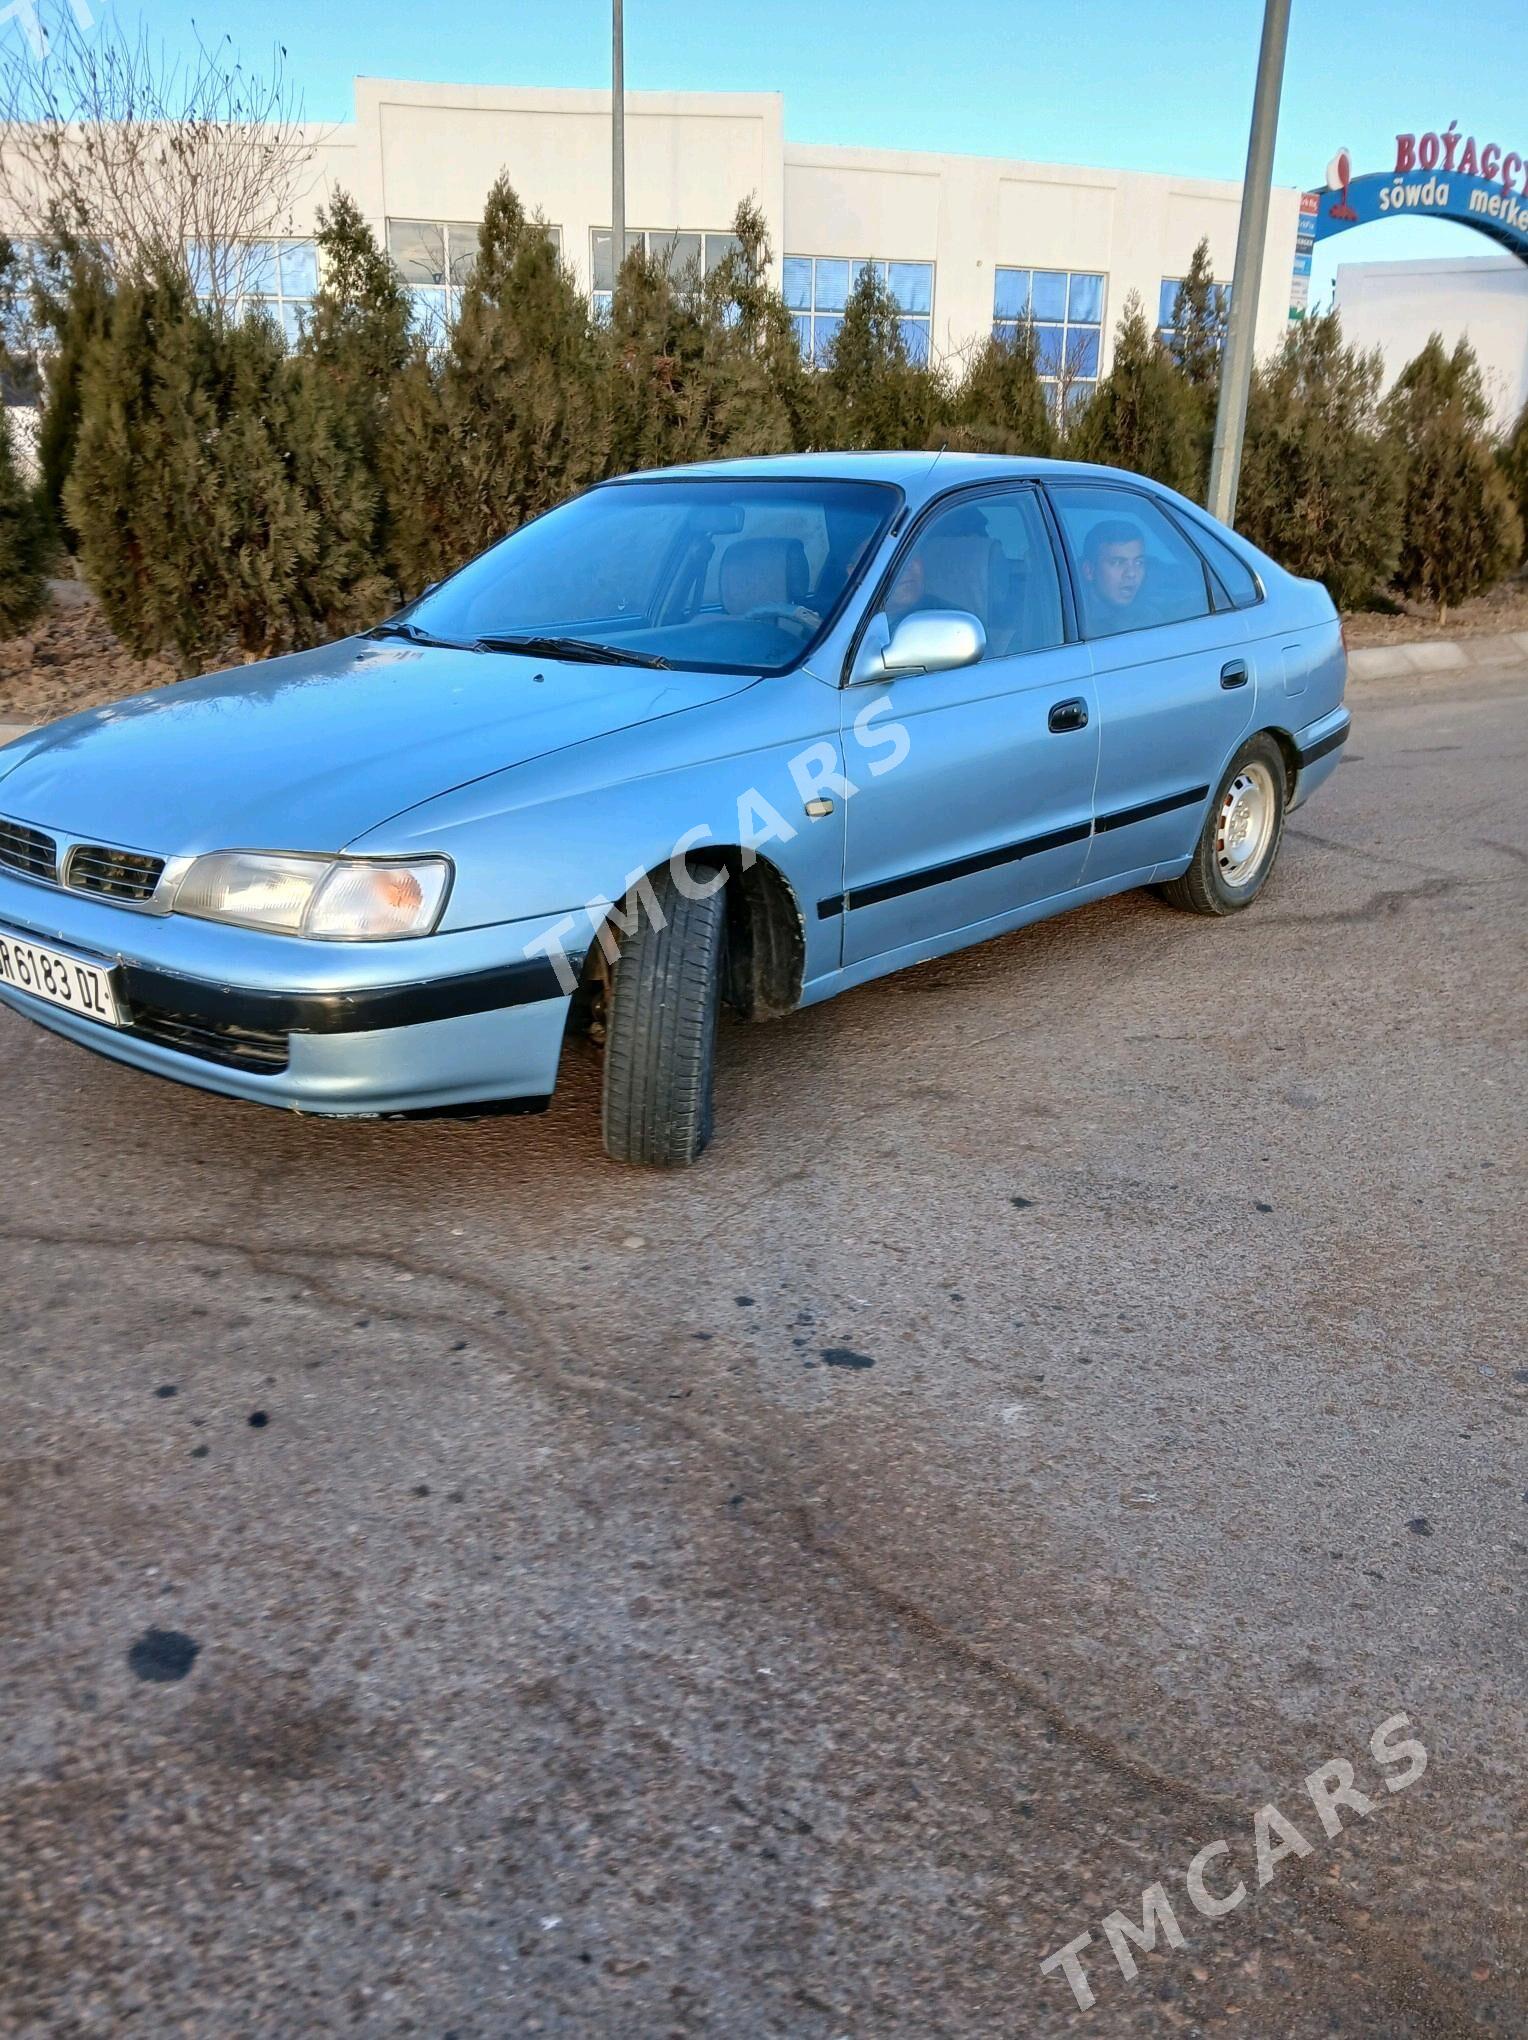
(1241, 835)
(660, 1040)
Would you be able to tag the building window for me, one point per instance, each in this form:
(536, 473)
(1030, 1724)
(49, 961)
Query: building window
(18, 335)
(679, 249)
(1066, 308)
(817, 290)
(1167, 301)
(434, 258)
(279, 278)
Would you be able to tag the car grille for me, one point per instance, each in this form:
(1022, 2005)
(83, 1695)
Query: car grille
(28, 851)
(256, 1049)
(114, 874)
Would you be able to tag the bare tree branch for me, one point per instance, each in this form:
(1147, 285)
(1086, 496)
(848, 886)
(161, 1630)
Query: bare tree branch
(106, 138)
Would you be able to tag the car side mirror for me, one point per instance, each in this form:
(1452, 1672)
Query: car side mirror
(931, 641)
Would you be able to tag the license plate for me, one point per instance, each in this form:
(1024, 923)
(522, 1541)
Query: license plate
(61, 980)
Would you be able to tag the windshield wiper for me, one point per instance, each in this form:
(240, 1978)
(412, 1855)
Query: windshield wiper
(572, 648)
(417, 635)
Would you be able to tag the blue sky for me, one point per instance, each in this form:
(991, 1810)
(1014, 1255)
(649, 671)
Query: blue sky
(1137, 84)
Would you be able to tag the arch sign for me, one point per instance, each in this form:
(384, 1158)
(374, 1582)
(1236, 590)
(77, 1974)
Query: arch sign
(1446, 176)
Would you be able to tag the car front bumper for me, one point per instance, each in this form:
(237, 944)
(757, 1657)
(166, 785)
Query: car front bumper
(341, 1028)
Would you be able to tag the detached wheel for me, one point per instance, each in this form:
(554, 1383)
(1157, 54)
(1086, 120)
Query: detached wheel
(1241, 835)
(660, 1038)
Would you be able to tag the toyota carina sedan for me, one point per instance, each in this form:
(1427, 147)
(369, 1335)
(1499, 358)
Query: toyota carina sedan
(744, 734)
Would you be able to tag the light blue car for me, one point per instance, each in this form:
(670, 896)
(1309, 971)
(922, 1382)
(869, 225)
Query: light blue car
(744, 734)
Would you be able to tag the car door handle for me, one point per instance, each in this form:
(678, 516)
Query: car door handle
(1234, 673)
(1069, 715)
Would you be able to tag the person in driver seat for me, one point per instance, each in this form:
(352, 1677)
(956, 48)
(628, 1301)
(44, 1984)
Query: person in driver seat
(950, 567)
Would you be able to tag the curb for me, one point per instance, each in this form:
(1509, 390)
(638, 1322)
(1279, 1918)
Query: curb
(1438, 655)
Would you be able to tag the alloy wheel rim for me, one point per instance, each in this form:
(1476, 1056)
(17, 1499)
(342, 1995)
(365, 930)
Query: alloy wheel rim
(1244, 826)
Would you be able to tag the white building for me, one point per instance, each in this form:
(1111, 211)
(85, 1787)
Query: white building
(967, 240)
(1395, 306)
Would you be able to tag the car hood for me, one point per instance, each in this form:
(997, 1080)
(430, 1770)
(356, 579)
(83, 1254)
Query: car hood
(310, 751)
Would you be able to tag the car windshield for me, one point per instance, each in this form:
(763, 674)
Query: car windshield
(737, 575)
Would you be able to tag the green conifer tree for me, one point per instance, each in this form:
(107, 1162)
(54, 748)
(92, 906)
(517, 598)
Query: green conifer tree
(24, 542)
(1320, 484)
(356, 346)
(1460, 529)
(357, 329)
(765, 401)
(1199, 332)
(874, 394)
(1513, 459)
(1000, 406)
(24, 537)
(681, 385)
(1142, 415)
(419, 477)
(658, 393)
(1199, 322)
(72, 294)
(214, 488)
(519, 384)
(143, 414)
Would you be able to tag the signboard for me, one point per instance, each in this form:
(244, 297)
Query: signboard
(1445, 176)
(1305, 241)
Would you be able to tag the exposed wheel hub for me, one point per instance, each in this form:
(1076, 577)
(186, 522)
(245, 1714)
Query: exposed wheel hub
(1244, 828)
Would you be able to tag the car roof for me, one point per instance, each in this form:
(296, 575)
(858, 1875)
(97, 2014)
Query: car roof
(920, 474)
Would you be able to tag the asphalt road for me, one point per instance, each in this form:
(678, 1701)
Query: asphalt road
(1082, 1391)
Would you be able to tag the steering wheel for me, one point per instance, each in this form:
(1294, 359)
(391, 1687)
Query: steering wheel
(788, 613)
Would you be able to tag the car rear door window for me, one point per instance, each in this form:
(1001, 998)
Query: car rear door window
(1132, 567)
(1236, 579)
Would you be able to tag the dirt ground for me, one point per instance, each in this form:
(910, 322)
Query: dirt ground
(70, 660)
(1503, 609)
(452, 1585)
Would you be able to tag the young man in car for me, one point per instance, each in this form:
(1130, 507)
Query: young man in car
(1114, 575)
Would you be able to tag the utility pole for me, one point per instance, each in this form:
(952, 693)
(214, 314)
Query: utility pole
(617, 138)
(1251, 238)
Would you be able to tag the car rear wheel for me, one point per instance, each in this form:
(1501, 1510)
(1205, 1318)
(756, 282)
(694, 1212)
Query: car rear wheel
(1241, 835)
(660, 1030)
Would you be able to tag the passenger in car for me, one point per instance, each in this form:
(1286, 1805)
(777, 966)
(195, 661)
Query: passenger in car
(1114, 576)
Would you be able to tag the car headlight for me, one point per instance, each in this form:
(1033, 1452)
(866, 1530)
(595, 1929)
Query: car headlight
(328, 899)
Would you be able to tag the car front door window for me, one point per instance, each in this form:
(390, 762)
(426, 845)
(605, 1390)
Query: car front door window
(990, 809)
(987, 556)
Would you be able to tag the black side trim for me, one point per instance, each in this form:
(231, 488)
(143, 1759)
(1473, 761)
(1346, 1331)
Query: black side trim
(1007, 853)
(355, 1012)
(1149, 810)
(1326, 746)
(959, 867)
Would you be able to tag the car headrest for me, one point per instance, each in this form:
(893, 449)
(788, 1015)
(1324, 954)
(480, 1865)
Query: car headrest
(756, 571)
(962, 571)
